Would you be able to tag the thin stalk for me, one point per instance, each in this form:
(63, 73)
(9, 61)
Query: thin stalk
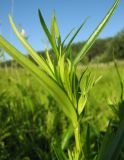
(77, 138)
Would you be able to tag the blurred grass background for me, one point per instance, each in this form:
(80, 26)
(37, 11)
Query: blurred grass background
(30, 121)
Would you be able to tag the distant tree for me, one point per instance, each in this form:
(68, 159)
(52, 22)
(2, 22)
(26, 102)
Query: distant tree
(117, 45)
(98, 48)
(121, 33)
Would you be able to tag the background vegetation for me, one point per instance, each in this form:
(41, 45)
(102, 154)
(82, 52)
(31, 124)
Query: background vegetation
(28, 114)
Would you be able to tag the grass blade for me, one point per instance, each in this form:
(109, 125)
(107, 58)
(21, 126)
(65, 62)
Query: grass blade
(120, 80)
(114, 146)
(67, 37)
(67, 136)
(51, 40)
(39, 60)
(54, 28)
(87, 148)
(70, 42)
(59, 153)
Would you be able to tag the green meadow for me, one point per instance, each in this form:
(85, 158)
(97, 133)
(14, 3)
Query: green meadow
(29, 117)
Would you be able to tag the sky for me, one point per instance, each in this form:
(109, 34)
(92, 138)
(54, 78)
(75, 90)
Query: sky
(69, 13)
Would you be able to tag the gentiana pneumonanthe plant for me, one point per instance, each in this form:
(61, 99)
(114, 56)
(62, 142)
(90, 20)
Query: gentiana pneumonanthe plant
(58, 75)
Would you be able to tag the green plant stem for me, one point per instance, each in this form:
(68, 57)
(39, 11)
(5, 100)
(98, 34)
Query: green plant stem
(77, 138)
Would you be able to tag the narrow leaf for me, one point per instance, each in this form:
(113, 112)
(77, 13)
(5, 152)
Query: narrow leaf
(120, 80)
(87, 149)
(50, 63)
(68, 134)
(39, 60)
(113, 149)
(44, 26)
(70, 42)
(81, 103)
(67, 37)
(60, 155)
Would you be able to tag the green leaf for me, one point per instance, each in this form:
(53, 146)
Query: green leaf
(87, 148)
(64, 75)
(120, 80)
(68, 134)
(55, 31)
(70, 42)
(95, 34)
(50, 64)
(61, 65)
(105, 143)
(97, 80)
(60, 155)
(52, 30)
(112, 145)
(51, 40)
(67, 37)
(82, 74)
(54, 27)
(39, 60)
(81, 103)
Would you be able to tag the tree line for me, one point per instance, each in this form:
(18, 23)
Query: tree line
(102, 50)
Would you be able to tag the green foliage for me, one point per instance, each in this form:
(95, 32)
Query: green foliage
(21, 88)
(113, 142)
(118, 43)
(24, 119)
(59, 77)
